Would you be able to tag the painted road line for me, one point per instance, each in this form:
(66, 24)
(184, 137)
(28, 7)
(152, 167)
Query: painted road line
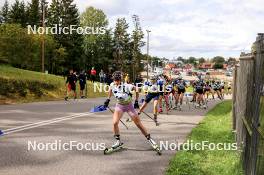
(45, 121)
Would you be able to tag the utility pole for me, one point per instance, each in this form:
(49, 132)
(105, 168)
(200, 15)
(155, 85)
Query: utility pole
(148, 31)
(43, 5)
(134, 61)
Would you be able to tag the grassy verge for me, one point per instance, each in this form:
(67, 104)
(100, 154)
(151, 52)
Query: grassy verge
(19, 86)
(215, 128)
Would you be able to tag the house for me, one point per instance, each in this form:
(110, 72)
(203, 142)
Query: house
(170, 66)
(206, 66)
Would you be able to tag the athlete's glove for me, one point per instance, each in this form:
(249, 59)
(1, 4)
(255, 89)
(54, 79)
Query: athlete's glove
(136, 106)
(106, 103)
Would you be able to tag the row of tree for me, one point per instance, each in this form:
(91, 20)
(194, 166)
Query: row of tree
(115, 49)
(218, 61)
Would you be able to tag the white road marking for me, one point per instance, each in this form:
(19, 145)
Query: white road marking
(43, 123)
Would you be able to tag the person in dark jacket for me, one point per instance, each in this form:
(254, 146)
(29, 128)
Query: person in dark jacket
(82, 82)
(71, 84)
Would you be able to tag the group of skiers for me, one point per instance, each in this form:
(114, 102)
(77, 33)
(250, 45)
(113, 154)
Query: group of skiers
(158, 88)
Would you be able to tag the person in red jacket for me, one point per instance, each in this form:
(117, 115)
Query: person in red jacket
(93, 74)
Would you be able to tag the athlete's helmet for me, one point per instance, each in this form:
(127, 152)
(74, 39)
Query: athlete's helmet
(117, 75)
(153, 77)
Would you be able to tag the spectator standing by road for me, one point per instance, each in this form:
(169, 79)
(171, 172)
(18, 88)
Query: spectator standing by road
(71, 84)
(101, 76)
(82, 82)
(93, 74)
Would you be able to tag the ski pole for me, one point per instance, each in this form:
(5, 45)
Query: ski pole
(148, 116)
(120, 119)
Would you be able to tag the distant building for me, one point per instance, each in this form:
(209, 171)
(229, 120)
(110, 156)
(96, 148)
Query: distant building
(206, 66)
(170, 66)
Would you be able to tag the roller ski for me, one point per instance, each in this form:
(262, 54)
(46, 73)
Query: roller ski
(115, 147)
(154, 146)
(177, 107)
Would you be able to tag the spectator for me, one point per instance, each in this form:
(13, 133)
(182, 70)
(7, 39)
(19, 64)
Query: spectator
(93, 74)
(82, 82)
(101, 76)
(104, 78)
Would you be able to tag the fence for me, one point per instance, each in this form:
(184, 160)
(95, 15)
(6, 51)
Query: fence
(248, 108)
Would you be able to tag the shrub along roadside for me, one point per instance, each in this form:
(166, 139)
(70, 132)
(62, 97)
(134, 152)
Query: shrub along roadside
(215, 128)
(18, 86)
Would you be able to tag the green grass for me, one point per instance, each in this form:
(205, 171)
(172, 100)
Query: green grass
(262, 114)
(15, 83)
(215, 128)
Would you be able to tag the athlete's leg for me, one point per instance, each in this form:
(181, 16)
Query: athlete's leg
(116, 118)
(181, 98)
(160, 103)
(155, 109)
(139, 124)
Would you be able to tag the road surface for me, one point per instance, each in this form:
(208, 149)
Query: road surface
(58, 121)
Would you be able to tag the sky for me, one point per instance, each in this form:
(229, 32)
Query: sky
(199, 28)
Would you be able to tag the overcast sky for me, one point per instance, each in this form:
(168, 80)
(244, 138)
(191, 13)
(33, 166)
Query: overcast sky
(200, 28)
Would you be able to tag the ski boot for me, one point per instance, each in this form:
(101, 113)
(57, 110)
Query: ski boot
(156, 119)
(180, 107)
(115, 147)
(154, 145)
(175, 107)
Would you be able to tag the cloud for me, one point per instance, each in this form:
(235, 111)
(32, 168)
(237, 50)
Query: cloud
(190, 27)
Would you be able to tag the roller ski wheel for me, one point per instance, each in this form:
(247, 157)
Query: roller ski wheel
(155, 147)
(111, 150)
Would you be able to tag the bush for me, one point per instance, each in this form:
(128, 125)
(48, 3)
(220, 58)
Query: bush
(10, 87)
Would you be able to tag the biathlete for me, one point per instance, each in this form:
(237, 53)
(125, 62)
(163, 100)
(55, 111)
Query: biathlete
(207, 89)
(152, 93)
(122, 92)
(200, 93)
(161, 82)
(181, 88)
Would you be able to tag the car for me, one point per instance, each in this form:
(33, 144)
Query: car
(228, 74)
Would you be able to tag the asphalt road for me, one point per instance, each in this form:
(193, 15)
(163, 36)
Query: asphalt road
(59, 121)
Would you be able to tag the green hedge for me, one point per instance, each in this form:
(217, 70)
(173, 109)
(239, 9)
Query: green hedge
(9, 87)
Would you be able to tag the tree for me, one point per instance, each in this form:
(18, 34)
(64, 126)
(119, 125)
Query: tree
(201, 60)
(98, 48)
(5, 13)
(218, 59)
(122, 44)
(23, 14)
(231, 61)
(136, 45)
(218, 66)
(64, 13)
(34, 13)
(18, 13)
(21, 49)
(192, 60)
